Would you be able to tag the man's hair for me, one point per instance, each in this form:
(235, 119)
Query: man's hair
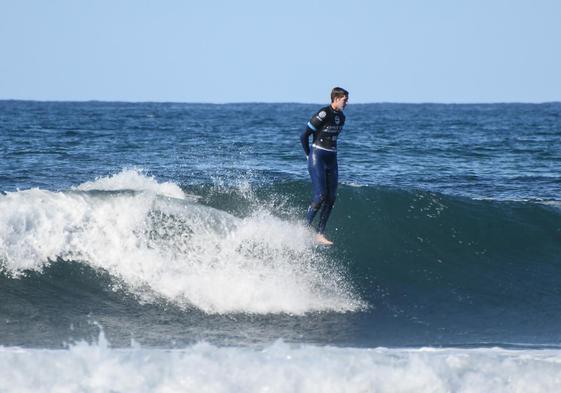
(338, 92)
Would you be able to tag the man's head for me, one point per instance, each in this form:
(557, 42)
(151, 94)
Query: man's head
(339, 98)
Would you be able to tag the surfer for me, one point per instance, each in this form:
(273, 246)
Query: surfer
(325, 127)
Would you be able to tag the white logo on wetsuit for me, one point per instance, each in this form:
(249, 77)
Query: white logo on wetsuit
(322, 114)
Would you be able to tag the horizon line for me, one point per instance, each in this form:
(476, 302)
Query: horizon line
(277, 102)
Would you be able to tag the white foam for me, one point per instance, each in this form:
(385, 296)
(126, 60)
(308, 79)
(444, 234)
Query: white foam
(278, 368)
(553, 203)
(133, 180)
(188, 253)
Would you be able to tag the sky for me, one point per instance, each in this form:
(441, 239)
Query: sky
(449, 51)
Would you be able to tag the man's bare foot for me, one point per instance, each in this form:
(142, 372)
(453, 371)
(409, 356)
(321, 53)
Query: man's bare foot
(321, 239)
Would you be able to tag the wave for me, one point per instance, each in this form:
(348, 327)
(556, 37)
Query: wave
(421, 236)
(277, 367)
(443, 263)
(158, 243)
(236, 248)
(435, 261)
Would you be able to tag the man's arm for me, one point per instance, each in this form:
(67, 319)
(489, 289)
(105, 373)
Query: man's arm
(305, 139)
(313, 125)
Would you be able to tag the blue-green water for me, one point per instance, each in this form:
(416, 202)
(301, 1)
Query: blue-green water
(178, 223)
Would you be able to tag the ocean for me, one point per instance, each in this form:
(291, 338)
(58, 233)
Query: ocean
(162, 247)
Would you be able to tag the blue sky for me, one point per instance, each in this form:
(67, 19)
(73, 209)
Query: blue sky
(284, 51)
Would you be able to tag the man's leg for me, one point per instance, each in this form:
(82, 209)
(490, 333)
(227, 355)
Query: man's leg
(317, 174)
(331, 186)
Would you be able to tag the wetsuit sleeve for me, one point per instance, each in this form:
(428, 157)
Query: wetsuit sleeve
(315, 123)
(317, 120)
(305, 139)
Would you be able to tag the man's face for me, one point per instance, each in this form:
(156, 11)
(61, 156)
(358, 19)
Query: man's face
(340, 103)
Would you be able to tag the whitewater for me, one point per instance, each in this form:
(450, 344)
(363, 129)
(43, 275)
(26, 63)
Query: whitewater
(157, 242)
(278, 367)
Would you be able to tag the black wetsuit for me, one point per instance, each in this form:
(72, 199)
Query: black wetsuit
(325, 126)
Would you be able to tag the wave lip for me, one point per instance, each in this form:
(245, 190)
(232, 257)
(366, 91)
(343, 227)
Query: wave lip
(172, 249)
